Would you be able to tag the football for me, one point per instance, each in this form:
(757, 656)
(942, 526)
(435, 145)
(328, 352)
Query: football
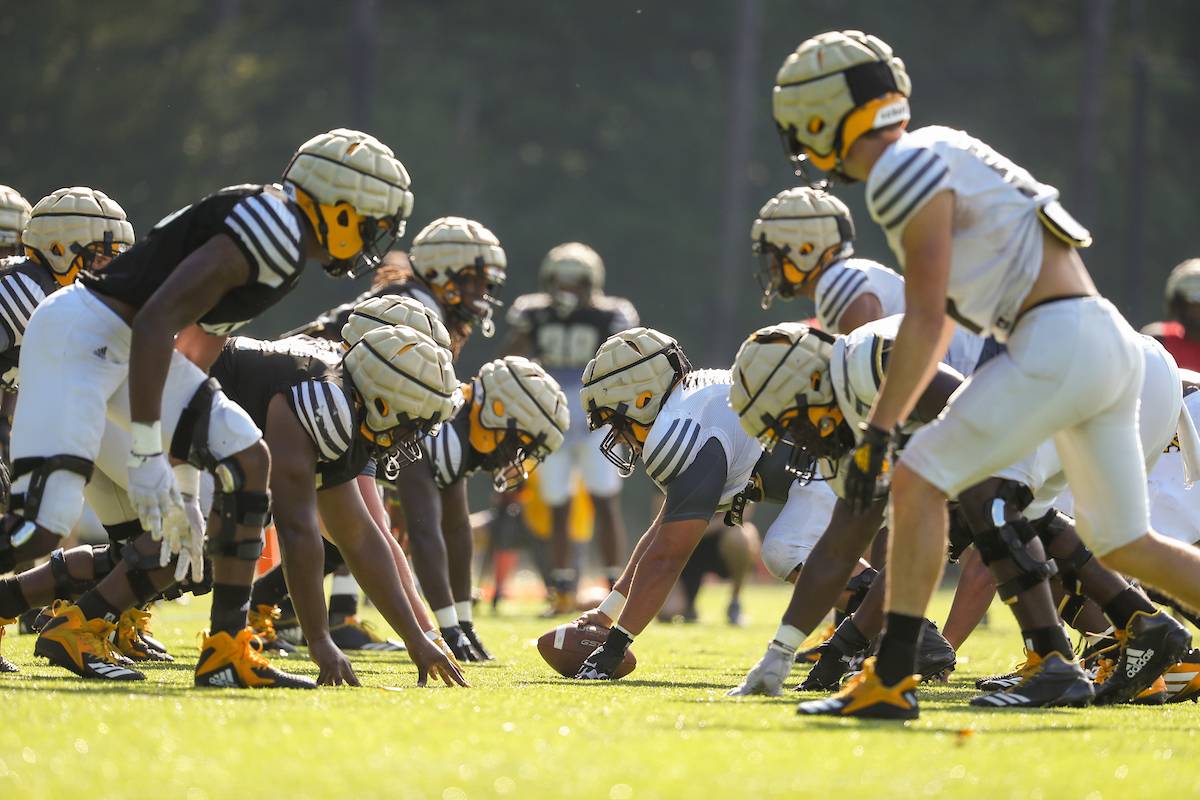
(564, 648)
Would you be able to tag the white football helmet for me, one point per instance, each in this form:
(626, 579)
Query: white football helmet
(518, 416)
(355, 194)
(1184, 282)
(69, 229)
(14, 216)
(452, 252)
(407, 386)
(834, 89)
(782, 391)
(391, 309)
(626, 385)
(797, 234)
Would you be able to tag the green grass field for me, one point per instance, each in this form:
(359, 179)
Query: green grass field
(666, 731)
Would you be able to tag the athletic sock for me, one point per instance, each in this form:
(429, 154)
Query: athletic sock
(464, 611)
(1045, 641)
(230, 605)
(94, 606)
(446, 617)
(897, 657)
(563, 580)
(343, 596)
(270, 589)
(1121, 608)
(848, 639)
(12, 599)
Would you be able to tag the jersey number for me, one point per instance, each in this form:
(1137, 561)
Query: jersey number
(562, 345)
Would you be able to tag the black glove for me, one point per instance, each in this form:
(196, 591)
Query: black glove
(602, 664)
(459, 644)
(469, 629)
(868, 470)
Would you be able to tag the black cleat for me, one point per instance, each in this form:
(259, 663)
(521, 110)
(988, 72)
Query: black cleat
(33, 620)
(826, 675)
(935, 657)
(810, 649)
(350, 633)
(5, 664)
(1150, 644)
(468, 628)
(1047, 682)
(866, 697)
(263, 619)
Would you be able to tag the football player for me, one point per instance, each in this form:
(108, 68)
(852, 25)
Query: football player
(105, 346)
(1180, 334)
(944, 199)
(45, 248)
(792, 379)
(515, 416)
(804, 238)
(560, 327)
(457, 269)
(678, 423)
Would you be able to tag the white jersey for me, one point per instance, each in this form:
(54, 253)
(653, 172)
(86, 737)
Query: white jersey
(843, 282)
(696, 412)
(858, 362)
(999, 211)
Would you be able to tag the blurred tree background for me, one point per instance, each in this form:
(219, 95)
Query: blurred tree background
(642, 128)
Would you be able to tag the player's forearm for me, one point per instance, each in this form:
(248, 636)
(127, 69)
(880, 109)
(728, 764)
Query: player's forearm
(149, 361)
(625, 581)
(415, 601)
(657, 571)
(303, 559)
(915, 355)
(370, 559)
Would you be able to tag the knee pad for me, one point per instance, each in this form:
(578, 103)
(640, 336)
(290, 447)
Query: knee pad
(39, 469)
(960, 534)
(121, 535)
(1006, 536)
(66, 587)
(858, 586)
(188, 586)
(190, 441)
(237, 507)
(1049, 527)
(105, 558)
(137, 565)
(781, 557)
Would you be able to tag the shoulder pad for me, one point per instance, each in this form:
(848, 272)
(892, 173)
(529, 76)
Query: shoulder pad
(325, 414)
(619, 306)
(269, 233)
(445, 454)
(670, 448)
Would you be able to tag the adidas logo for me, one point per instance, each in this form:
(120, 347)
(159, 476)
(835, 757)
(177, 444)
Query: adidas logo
(1136, 660)
(223, 679)
(106, 670)
(101, 352)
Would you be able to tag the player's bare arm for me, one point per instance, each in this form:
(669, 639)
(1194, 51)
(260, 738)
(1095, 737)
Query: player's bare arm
(299, 532)
(925, 331)
(199, 347)
(862, 309)
(367, 552)
(657, 570)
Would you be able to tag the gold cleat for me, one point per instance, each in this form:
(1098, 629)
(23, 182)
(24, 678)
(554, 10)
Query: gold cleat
(134, 639)
(83, 646)
(262, 619)
(237, 662)
(866, 697)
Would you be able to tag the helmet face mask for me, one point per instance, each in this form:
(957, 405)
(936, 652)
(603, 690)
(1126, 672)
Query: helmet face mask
(472, 295)
(73, 229)
(463, 264)
(624, 440)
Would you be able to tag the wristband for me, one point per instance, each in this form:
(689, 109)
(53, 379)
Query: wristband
(147, 438)
(789, 636)
(613, 605)
(433, 636)
(187, 478)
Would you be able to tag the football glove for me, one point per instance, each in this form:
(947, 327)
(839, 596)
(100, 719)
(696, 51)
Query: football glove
(152, 490)
(868, 471)
(767, 676)
(183, 528)
(601, 665)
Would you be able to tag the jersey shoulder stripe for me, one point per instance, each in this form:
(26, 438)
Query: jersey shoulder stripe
(325, 414)
(836, 291)
(445, 454)
(902, 181)
(19, 296)
(270, 232)
(674, 451)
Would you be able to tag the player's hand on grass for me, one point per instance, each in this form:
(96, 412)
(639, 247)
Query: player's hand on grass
(594, 617)
(869, 468)
(335, 667)
(440, 643)
(767, 676)
(431, 661)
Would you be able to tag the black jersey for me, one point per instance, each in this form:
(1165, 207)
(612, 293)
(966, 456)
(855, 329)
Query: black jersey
(568, 342)
(264, 223)
(329, 325)
(308, 373)
(23, 285)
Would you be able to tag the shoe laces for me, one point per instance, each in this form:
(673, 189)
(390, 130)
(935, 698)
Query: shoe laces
(1106, 659)
(366, 627)
(263, 622)
(249, 648)
(140, 619)
(102, 631)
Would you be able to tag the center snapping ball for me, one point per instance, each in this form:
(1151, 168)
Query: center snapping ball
(566, 647)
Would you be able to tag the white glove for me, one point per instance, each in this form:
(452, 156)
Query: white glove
(152, 488)
(767, 676)
(183, 528)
